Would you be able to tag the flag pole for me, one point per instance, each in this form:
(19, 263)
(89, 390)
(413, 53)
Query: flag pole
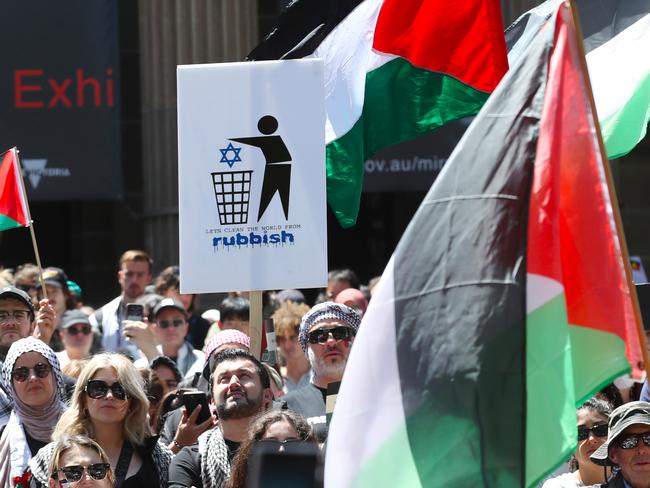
(255, 323)
(636, 310)
(31, 225)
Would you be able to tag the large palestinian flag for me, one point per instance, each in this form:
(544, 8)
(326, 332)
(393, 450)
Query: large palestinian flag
(617, 41)
(505, 304)
(13, 201)
(394, 70)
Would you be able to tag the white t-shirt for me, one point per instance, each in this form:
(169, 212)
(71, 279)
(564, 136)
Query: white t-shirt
(566, 480)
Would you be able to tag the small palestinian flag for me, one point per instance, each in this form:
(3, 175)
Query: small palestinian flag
(617, 41)
(13, 201)
(394, 70)
(505, 304)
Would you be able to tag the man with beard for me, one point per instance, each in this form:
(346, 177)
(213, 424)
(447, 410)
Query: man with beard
(326, 334)
(240, 390)
(134, 274)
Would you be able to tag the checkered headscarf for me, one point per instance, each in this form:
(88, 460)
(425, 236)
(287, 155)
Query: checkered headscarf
(327, 310)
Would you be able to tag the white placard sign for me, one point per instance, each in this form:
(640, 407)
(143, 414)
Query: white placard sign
(251, 154)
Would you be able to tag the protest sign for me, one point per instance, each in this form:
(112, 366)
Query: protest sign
(251, 149)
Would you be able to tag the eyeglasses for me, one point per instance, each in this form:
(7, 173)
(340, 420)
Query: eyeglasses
(163, 324)
(97, 389)
(320, 336)
(597, 430)
(74, 473)
(85, 330)
(41, 370)
(16, 315)
(630, 441)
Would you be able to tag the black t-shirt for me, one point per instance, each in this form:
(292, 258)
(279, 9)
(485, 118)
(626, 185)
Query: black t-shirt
(34, 445)
(185, 469)
(146, 477)
(309, 401)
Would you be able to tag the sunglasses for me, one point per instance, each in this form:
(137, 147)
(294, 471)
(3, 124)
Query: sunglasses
(41, 370)
(630, 441)
(320, 336)
(97, 389)
(597, 430)
(163, 324)
(97, 471)
(286, 444)
(85, 330)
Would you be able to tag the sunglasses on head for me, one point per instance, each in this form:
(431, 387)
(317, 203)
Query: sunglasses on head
(630, 441)
(97, 389)
(163, 324)
(85, 330)
(74, 473)
(597, 430)
(340, 333)
(41, 370)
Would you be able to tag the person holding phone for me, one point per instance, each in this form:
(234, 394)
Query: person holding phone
(240, 390)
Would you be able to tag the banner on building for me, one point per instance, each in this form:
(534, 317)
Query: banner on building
(59, 97)
(251, 151)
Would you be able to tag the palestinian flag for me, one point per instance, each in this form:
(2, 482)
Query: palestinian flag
(13, 201)
(617, 41)
(505, 304)
(394, 70)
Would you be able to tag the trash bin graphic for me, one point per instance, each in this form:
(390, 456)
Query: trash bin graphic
(232, 190)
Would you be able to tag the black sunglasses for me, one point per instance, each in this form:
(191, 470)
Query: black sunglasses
(73, 331)
(597, 430)
(630, 441)
(163, 324)
(41, 370)
(97, 471)
(286, 444)
(340, 333)
(99, 389)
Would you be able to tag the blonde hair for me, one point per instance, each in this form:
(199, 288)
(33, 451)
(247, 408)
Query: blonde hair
(74, 368)
(70, 442)
(287, 317)
(75, 420)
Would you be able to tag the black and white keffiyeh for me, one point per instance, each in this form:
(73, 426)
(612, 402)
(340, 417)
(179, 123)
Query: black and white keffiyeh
(327, 310)
(215, 465)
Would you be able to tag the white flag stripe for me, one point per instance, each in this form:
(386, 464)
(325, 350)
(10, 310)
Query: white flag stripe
(540, 290)
(369, 410)
(617, 67)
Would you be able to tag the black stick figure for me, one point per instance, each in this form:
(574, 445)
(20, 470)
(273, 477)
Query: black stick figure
(277, 174)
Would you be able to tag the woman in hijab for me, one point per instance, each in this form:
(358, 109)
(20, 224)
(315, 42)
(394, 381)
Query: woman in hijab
(32, 376)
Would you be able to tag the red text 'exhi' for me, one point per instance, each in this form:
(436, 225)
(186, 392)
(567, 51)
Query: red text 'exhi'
(32, 89)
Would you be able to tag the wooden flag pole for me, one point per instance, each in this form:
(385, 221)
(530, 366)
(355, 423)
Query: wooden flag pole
(255, 321)
(612, 192)
(31, 229)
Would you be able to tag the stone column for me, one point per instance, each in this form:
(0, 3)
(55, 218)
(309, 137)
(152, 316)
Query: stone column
(174, 32)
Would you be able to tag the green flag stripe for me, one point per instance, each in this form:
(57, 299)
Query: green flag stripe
(8, 223)
(401, 103)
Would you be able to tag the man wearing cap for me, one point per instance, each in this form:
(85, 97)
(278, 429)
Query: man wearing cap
(17, 321)
(170, 328)
(326, 335)
(134, 274)
(76, 335)
(627, 446)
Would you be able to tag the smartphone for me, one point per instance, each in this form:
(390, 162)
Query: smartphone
(193, 398)
(134, 311)
(299, 466)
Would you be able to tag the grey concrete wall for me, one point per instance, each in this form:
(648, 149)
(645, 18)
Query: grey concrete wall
(174, 32)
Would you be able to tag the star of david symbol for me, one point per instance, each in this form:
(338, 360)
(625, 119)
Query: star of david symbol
(235, 154)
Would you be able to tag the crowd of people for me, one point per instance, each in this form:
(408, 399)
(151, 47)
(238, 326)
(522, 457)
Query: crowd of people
(145, 391)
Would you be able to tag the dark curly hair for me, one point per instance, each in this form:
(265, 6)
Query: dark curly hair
(256, 431)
